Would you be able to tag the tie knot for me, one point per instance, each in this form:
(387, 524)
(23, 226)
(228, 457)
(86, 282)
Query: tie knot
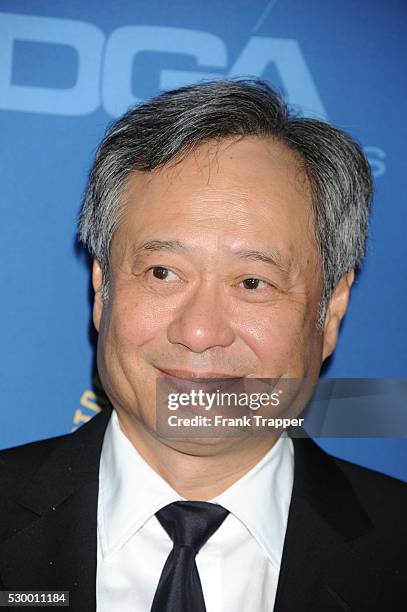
(191, 523)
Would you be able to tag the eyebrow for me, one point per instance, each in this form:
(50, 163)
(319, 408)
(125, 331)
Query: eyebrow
(274, 258)
(158, 245)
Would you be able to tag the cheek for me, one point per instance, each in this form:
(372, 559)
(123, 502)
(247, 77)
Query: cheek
(127, 325)
(273, 342)
(283, 340)
(132, 321)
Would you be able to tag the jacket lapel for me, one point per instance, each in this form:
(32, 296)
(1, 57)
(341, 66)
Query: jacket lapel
(322, 568)
(52, 543)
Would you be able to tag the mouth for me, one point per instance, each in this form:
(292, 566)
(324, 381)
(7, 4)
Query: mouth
(197, 376)
(187, 380)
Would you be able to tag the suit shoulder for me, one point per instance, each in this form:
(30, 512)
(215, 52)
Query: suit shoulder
(383, 495)
(19, 462)
(30, 450)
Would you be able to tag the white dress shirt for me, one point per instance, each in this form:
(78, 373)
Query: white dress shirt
(240, 563)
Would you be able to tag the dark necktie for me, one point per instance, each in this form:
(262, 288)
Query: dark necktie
(189, 525)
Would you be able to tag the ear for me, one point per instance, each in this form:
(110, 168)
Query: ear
(97, 282)
(338, 305)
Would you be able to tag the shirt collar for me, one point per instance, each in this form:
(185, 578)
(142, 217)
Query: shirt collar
(261, 498)
(131, 492)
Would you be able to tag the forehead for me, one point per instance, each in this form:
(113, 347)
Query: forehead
(248, 189)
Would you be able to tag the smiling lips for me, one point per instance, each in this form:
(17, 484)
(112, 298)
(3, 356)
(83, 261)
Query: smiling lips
(194, 375)
(184, 381)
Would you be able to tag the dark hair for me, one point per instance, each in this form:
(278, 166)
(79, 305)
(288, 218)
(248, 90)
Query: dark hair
(175, 122)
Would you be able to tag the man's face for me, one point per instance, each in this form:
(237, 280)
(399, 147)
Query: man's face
(214, 272)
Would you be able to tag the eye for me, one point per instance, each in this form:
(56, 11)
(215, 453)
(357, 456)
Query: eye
(162, 273)
(254, 283)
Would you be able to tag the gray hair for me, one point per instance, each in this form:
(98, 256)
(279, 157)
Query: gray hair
(174, 123)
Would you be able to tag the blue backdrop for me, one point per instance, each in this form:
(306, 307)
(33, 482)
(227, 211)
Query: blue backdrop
(68, 68)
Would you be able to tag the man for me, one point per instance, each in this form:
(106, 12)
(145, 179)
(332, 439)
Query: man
(225, 235)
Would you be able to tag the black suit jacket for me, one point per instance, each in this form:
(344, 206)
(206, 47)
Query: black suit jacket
(345, 546)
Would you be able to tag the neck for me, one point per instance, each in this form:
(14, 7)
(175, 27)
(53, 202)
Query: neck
(201, 469)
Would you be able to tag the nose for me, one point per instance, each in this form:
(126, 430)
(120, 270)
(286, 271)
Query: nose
(201, 322)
